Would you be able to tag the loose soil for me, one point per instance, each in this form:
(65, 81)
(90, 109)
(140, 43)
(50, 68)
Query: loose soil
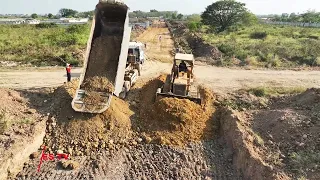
(80, 134)
(103, 59)
(95, 90)
(174, 121)
(22, 130)
(281, 138)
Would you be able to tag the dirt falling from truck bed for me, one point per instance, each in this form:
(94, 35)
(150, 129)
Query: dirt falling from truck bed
(104, 57)
(101, 70)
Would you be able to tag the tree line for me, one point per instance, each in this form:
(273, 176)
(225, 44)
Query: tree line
(307, 17)
(69, 13)
(155, 13)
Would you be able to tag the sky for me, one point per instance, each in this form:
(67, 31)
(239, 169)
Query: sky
(183, 6)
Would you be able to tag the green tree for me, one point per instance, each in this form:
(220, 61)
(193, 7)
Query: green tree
(223, 14)
(174, 16)
(86, 14)
(249, 19)
(194, 18)
(50, 16)
(67, 12)
(293, 17)
(310, 17)
(180, 16)
(194, 26)
(34, 16)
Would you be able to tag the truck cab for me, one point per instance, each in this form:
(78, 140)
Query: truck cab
(134, 64)
(136, 50)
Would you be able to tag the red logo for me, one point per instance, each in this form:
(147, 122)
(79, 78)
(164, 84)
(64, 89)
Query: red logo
(50, 157)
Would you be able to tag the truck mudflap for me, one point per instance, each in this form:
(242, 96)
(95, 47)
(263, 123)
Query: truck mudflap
(79, 106)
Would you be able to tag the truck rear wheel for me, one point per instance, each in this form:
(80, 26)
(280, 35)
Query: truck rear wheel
(124, 93)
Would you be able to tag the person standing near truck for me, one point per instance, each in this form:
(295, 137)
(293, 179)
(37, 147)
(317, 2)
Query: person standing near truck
(68, 69)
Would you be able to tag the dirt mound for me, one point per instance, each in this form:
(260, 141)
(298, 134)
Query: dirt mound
(193, 43)
(174, 121)
(103, 59)
(248, 159)
(15, 111)
(80, 134)
(99, 84)
(21, 131)
(283, 136)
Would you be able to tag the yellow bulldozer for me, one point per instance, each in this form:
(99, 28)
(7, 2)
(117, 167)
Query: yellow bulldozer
(180, 83)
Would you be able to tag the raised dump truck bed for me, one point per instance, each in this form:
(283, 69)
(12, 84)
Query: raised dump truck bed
(106, 55)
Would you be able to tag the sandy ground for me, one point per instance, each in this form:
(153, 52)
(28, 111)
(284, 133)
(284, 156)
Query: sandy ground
(219, 79)
(160, 50)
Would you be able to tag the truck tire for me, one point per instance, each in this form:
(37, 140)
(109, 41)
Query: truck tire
(127, 86)
(124, 93)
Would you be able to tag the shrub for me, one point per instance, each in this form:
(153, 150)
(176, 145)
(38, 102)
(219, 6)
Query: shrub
(225, 48)
(194, 26)
(251, 61)
(317, 63)
(76, 28)
(313, 37)
(241, 54)
(258, 35)
(46, 25)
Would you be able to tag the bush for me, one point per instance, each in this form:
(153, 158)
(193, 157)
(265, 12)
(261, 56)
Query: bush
(313, 37)
(194, 26)
(258, 35)
(241, 54)
(225, 48)
(46, 25)
(68, 58)
(77, 28)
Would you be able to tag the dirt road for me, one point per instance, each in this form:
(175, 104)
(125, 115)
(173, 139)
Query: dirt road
(159, 44)
(219, 79)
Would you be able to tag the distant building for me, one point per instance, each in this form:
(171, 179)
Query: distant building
(67, 21)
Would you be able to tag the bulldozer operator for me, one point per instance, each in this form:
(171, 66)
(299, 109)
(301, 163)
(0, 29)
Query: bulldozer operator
(183, 67)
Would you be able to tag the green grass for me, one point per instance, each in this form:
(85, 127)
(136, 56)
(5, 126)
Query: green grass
(41, 45)
(274, 91)
(269, 45)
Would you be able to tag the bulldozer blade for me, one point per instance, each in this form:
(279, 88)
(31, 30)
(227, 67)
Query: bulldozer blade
(193, 99)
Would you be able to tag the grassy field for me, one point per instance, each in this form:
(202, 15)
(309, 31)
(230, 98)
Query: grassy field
(42, 44)
(268, 45)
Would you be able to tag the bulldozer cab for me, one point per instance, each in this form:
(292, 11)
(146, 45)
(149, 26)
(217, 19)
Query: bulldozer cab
(180, 82)
(182, 75)
(183, 65)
